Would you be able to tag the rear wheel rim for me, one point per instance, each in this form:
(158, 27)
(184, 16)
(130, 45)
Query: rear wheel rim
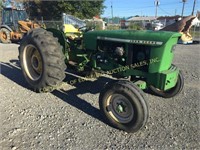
(33, 64)
(3, 36)
(120, 108)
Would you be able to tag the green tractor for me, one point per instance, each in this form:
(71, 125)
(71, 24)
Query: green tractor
(138, 60)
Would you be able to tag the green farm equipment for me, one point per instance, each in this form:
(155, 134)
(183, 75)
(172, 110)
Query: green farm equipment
(138, 60)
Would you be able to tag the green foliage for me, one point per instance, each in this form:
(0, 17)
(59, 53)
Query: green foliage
(135, 26)
(1, 5)
(53, 9)
(96, 25)
(115, 20)
(113, 27)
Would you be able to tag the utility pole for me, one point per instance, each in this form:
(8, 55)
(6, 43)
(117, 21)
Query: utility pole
(156, 4)
(183, 7)
(112, 11)
(193, 7)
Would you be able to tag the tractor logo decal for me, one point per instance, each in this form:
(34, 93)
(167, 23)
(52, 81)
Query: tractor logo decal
(130, 41)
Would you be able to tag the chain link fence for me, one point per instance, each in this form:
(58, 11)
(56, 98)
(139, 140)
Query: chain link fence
(57, 24)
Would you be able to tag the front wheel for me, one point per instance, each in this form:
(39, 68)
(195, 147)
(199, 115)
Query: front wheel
(171, 92)
(124, 106)
(5, 35)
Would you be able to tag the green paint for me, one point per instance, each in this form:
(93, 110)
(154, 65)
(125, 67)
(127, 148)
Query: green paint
(147, 54)
(132, 36)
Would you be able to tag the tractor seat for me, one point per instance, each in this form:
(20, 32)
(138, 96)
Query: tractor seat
(72, 32)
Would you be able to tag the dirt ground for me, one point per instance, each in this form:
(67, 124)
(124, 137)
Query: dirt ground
(71, 119)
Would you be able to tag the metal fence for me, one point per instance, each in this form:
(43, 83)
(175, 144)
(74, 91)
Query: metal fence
(52, 24)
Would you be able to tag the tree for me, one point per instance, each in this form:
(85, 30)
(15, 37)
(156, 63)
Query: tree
(53, 9)
(1, 7)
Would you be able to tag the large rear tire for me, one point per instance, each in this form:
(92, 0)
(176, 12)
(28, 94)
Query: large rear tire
(42, 60)
(5, 36)
(124, 106)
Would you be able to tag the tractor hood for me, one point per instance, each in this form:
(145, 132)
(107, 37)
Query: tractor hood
(140, 37)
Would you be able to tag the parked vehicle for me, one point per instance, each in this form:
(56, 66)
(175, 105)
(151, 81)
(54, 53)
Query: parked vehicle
(15, 24)
(157, 25)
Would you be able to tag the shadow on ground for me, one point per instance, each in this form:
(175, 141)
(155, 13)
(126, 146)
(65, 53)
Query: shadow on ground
(13, 72)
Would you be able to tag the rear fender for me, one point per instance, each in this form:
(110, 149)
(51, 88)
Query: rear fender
(59, 35)
(7, 27)
(62, 40)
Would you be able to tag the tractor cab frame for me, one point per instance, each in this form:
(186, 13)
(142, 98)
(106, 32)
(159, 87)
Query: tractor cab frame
(10, 18)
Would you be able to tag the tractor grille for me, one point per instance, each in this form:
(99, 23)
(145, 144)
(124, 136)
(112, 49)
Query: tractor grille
(138, 54)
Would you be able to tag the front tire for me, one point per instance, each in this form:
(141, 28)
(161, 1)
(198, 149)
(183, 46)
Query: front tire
(42, 60)
(5, 36)
(171, 92)
(124, 106)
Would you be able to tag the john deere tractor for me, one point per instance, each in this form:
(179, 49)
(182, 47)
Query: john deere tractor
(138, 60)
(15, 24)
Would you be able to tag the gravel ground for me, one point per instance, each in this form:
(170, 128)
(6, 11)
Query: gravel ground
(71, 119)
